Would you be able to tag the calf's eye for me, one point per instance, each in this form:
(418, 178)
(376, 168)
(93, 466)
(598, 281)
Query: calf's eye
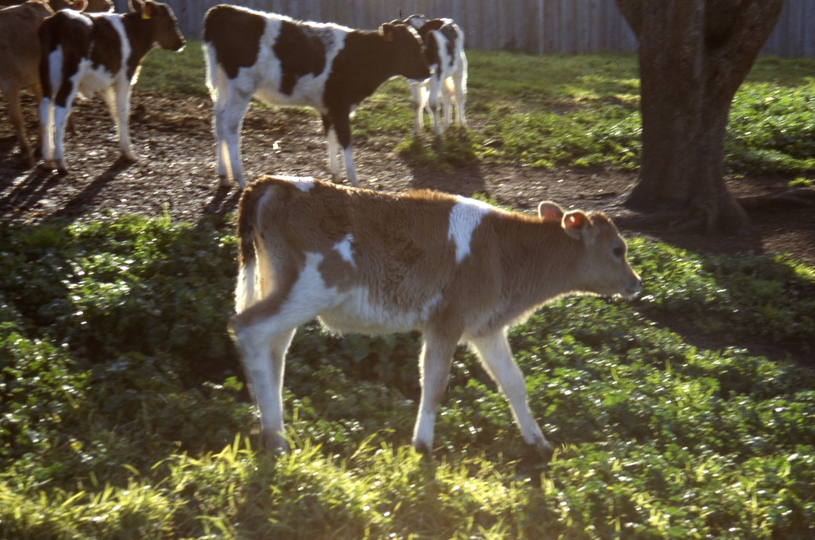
(619, 252)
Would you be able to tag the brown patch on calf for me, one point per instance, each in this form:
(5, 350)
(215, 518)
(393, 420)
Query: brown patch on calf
(19, 61)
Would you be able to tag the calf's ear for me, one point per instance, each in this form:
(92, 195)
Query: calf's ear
(147, 10)
(578, 226)
(78, 5)
(549, 211)
(135, 5)
(387, 32)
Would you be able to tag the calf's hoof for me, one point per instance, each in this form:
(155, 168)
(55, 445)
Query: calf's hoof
(59, 165)
(544, 449)
(275, 443)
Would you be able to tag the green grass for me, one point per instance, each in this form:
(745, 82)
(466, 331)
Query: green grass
(562, 110)
(123, 414)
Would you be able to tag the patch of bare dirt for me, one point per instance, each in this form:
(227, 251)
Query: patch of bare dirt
(176, 173)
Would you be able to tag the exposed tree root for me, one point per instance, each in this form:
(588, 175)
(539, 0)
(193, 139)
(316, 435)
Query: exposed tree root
(793, 198)
(708, 219)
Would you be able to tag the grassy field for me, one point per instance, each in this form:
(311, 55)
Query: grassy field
(566, 110)
(122, 414)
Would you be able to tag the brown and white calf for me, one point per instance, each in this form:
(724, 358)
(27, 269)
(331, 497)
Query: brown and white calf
(456, 269)
(20, 56)
(19, 61)
(293, 63)
(444, 50)
(88, 53)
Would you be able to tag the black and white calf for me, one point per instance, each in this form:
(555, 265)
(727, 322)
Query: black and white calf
(444, 50)
(87, 53)
(293, 63)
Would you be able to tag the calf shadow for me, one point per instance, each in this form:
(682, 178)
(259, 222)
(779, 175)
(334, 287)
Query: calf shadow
(27, 192)
(79, 202)
(225, 201)
(443, 165)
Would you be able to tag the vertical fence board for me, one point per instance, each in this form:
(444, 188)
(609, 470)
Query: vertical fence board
(534, 26)
(809, 29)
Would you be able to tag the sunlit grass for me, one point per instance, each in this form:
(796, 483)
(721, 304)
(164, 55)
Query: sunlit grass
(123, 415)
(560, 110)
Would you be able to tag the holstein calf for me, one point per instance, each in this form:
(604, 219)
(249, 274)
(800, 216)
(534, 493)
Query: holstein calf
(444, 50)
(456, 269)
(84, 54)
(20, 54)
(287, 62)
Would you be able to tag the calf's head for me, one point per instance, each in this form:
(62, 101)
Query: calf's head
(408, 50)
(164, 25)
(601, 266)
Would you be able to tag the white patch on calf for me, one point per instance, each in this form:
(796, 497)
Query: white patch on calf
(465, 216)
(263, 78)
(303, 183)
(245, 295)
(358, 312)
(55, 68)
(346, 250)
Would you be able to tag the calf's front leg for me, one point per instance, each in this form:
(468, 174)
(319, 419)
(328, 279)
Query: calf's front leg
(496, 356)
(118, 100)
(339, 125)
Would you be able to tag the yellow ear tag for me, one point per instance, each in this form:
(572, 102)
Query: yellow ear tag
(145, 16)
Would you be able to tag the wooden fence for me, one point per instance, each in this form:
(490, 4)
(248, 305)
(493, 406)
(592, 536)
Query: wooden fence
(534, 26)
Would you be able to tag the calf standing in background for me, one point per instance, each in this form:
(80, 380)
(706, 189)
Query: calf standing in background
(19, 61)
(444, 50)
(456, 269)
(20, 56)
(86, 54)
(286, 62)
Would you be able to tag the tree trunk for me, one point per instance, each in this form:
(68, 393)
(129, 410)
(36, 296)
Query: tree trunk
(693, 56)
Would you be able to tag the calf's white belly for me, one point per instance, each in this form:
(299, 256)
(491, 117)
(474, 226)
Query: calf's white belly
(357, 313)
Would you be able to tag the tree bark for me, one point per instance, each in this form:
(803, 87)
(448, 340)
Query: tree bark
(693, 56)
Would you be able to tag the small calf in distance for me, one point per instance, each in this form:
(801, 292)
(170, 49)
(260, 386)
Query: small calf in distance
(456, 269)
(293, 63)
(88, 53)
(444, 50)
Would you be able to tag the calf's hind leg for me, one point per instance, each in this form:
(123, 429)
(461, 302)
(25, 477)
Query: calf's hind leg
(434, 363)
(263, 333)
(229, 110)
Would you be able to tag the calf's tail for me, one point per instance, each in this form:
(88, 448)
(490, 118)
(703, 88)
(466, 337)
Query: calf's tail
(248, 291)
(212, 71)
